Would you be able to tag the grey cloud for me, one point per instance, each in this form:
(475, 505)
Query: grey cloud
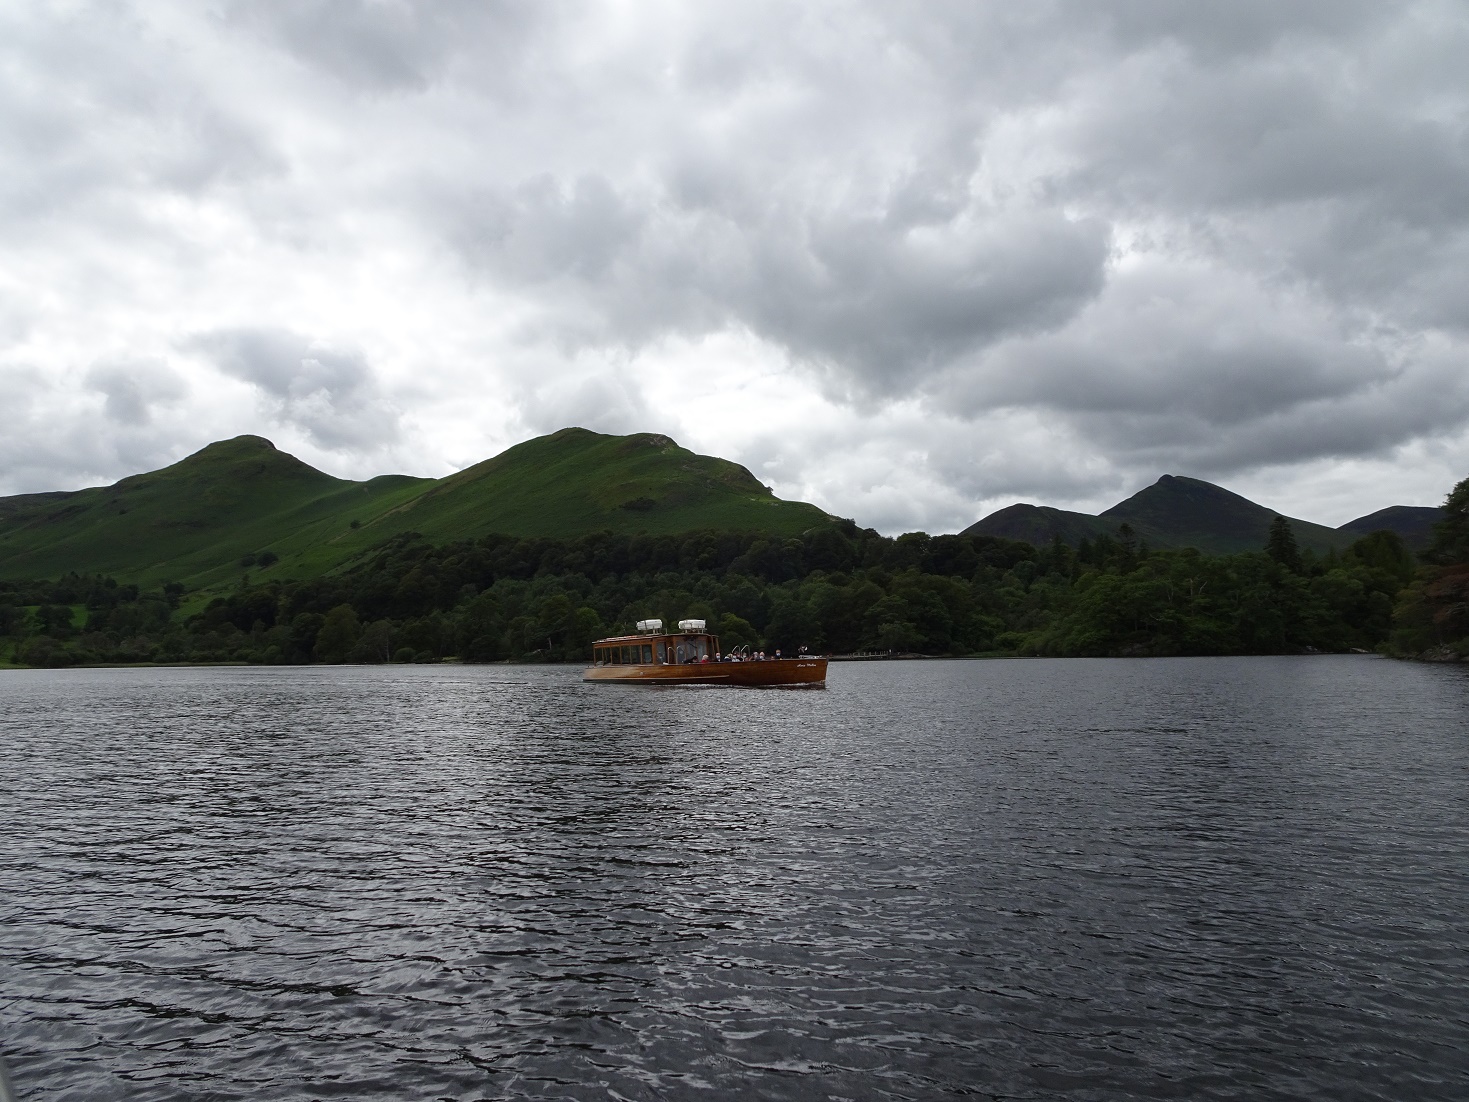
(876, 296)
(1278, 150)
(1130, 235)
(1194, 370)
(1258, 133)
(1168, 340)
(132, 390)
(542, 231)
(895, 306)
(331, 394)
(119, 129)
(392, 45)
(45, 447)
(1242, 26)
(1343, 161)
(1369, 421)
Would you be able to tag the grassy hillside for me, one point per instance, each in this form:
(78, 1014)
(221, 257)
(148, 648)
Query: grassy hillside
(191, 522)
(195, 522)
(574, 481)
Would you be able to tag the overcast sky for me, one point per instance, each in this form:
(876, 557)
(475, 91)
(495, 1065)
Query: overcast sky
(909, 262)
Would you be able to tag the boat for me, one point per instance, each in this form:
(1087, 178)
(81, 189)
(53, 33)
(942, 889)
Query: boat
(691, 656)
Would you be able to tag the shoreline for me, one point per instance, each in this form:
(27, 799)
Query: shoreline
(1451, 658)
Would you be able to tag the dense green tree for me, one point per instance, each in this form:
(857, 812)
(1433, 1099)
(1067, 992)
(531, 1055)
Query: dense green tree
(44, 651)
(54, 620)
(1281, 545)
(338, 634)
(1384, 552)
(301, 642)
(1432, 614)
(1451, 534)
(735, 631)
(501, 598)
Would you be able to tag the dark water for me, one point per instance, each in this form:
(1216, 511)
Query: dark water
(1149, 879)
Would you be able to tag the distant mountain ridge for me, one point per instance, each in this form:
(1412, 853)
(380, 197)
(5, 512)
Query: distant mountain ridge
(1188, 512)
(243, 505)
(210, 516)
(1414, 523)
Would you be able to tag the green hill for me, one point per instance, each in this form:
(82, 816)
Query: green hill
(1188, 512)
(1414, 523)
(1173, 512)
(574, 481)
(1039, 525)
(191, 522)
(197, 521)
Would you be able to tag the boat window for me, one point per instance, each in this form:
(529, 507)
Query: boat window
(647, 653)
(662, 652)
(597, 656)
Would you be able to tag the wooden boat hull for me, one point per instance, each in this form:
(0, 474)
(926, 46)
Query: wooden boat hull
(776, 672)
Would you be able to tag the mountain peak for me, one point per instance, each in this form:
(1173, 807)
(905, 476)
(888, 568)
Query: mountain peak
(244, 444)
(254, 454)
(1175, 511)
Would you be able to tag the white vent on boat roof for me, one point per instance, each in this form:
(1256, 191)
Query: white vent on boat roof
(650, 625)
(691, 625)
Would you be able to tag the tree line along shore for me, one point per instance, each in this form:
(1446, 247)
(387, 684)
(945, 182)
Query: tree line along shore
(836, 589)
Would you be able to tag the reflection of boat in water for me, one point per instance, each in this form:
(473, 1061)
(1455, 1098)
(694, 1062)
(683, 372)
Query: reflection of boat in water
(691, 656)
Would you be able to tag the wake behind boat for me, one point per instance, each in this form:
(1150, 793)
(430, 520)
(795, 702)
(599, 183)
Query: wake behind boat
(691, 656)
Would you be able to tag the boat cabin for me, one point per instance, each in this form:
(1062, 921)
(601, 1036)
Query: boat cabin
(686, 657)
(653, 647)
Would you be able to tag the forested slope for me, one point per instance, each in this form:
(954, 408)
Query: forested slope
(836, 589)
(1432, 620)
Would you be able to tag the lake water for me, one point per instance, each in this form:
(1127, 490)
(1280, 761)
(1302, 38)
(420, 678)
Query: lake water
(1189, 878)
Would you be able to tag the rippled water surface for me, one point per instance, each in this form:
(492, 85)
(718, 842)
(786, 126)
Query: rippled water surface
(1135, 879)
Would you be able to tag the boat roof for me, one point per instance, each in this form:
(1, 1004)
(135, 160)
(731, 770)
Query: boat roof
(649, 636)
